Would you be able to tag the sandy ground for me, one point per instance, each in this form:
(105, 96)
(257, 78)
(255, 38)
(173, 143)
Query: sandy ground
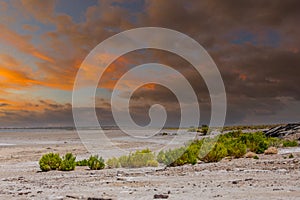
(269, 177)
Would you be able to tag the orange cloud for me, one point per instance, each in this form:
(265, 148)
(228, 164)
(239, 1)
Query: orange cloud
(29, 27)
(150, 86)
(31, 105)
(13, 75)
(21, 42)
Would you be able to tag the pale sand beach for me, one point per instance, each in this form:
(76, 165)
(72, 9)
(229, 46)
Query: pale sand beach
(269, 177)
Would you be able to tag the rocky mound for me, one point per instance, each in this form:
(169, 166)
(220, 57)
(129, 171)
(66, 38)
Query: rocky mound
(285, 131)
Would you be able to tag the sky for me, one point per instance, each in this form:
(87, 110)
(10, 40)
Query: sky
(255, 45)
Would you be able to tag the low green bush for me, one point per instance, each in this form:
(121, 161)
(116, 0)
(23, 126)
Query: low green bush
(50, 161)
(274, 142)
(152, 163)
(123, 160)
(256, 142)
(288, 143)
(68, 162)
(171, 156)
(182, 155)
(96, 163)
(83, 162)
(218, 152)
(204, 129)
(143, 158)
(236, 149)
(113, 163)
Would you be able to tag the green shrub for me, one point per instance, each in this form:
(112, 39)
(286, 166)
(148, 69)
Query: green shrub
(171, 156)
(256, 157)
(191, 154)
(218, 152)
(161, 157)
(256, 142)
(68, 162)
(204, 129)
(113, 163)
(274, 142)
(236, 149)
(288, 143)
(152, 163)
(138, 159)
(83, 162)
(96, 163)
(123, 160)
(49, 162)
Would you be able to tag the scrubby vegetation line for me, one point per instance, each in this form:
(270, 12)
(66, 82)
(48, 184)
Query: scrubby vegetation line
(234, 144)
(52, 161)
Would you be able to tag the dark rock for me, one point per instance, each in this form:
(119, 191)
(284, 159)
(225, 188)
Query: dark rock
(72, 197)
(283, 130)
(161, 196)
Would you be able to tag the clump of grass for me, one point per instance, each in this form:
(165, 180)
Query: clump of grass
(143, 158)
(83, 162)
(256, 157)
(182, 155)
(171, 157)
(68, 162)
(275, 142)
(218, 152)
(236, 149)
(204, 129)
(96, 163)
(50, 161)
(152, 163)
(256, 142)
(288, 143)
(113, 163)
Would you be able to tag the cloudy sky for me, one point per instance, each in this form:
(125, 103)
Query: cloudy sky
(255, 44)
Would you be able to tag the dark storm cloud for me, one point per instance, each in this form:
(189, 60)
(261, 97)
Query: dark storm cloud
(58, 115)
(255, 44)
